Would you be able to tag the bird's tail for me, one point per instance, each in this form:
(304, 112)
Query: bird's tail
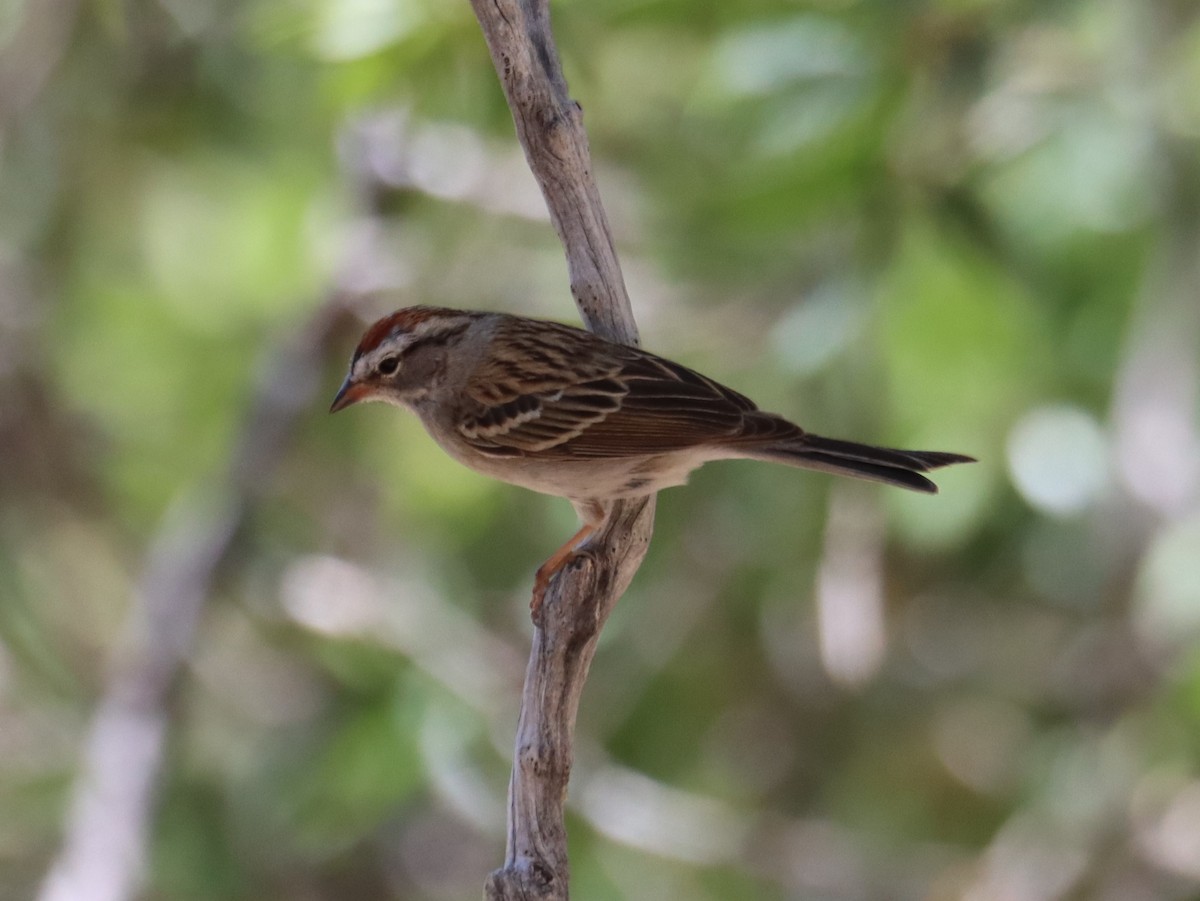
(863, 461)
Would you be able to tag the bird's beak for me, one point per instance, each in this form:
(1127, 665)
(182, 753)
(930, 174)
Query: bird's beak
(349, 394)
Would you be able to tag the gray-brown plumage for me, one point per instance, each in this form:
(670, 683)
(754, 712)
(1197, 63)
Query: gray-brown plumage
(562, 411)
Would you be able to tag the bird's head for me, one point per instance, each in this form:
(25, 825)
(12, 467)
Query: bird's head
(400, 356)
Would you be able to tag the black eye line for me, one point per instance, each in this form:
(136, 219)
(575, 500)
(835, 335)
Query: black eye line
(440, 339)
(436, 339)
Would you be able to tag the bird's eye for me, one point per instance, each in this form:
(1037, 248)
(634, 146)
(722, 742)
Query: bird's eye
(388, 365)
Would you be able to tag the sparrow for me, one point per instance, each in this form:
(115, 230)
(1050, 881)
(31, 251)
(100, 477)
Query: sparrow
(562, 411)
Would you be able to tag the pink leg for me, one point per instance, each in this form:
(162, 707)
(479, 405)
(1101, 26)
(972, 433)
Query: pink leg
(548, 570)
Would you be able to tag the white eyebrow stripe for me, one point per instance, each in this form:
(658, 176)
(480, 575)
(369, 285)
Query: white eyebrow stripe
(396, 345)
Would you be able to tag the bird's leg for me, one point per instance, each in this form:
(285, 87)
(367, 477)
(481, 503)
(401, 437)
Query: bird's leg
(551, 567)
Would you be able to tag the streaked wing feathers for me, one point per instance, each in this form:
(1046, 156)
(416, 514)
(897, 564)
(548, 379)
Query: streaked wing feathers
(618, 401)
(541, 422)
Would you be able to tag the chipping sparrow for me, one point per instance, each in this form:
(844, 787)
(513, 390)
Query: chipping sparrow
(564, 412)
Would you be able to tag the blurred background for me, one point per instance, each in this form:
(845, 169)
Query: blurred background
(251, 651)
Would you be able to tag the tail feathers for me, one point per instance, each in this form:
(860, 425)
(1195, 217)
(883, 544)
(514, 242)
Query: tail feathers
(878, 464)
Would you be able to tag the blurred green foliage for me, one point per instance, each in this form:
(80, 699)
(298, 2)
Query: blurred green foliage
(967, 225)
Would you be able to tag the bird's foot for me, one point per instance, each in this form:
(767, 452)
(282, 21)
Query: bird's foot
(551, 568)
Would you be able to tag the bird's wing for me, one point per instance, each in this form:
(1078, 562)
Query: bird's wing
(568, 394)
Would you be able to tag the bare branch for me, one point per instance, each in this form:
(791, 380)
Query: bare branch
(550, 127)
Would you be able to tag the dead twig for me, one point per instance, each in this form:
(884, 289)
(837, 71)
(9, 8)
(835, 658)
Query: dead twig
(550, 127)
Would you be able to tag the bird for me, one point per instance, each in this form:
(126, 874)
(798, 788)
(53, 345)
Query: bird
(562, 411)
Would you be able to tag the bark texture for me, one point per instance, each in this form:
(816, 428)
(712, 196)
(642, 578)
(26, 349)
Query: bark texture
(550, 127)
